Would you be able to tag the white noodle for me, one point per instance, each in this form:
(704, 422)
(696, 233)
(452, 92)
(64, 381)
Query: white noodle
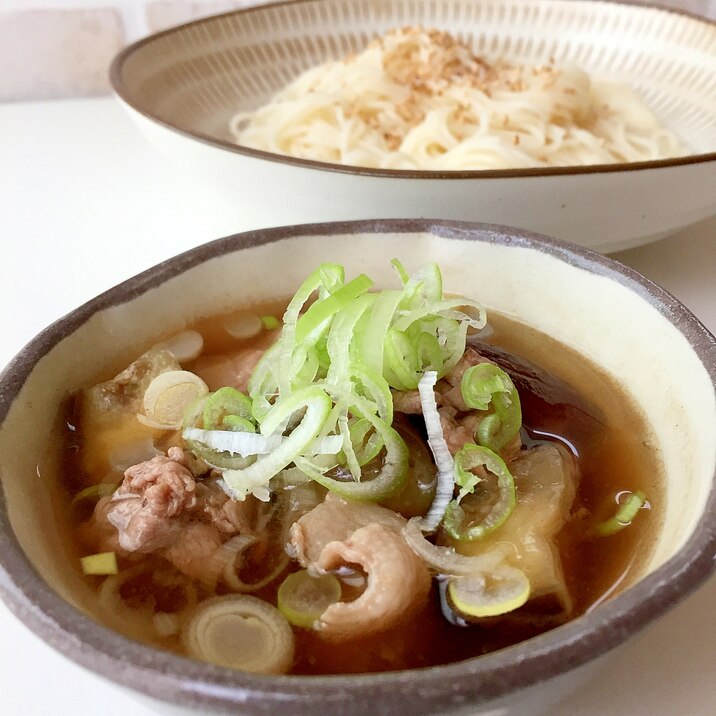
(418, 99)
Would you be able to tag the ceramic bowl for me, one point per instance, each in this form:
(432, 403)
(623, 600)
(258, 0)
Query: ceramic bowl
(632, 330)
(183, 85)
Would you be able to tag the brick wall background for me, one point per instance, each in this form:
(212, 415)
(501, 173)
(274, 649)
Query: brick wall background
(62, 48)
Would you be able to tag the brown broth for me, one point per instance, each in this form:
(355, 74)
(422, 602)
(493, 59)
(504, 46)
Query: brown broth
(567, 400)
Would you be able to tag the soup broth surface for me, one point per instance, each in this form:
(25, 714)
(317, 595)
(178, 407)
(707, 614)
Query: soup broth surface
(565, 399)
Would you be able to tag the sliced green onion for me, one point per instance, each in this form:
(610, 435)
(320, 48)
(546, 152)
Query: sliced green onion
(429, 352)
(490, 594)
(486, 385)
(402, 273)
(369, 344)
(446, 307)
(339, 339)
(237, 424)
(427, 283)
(318, 407)
(100, 563)
(194, 415)
(446, 560)
(270, 322)
(168, 395)
(222, 403)
(401, 361)
(322, 310)
(372, 387)
(439, 448)
(263, 383)
(95, 492)
(185, 346)
(155, 424)
(246, 443)
(469, 458)
(307, 365)
(221, 460)
(241, 632)
(454, 335)
(366, 442)
(271, 567)
(325, 279)
(303, 598)
(194, 412)
(236, 443)
(625, 515)
(387, 482)
(346, 349)
(348, 451)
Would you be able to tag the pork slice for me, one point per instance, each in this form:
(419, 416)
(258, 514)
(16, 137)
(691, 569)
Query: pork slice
(228, 516)
(456, 435)
(335, 519)
(408, 402)
(195, 465)
(192, 548)
(453, 397)
(161, 508)
(138, 528)
(165, 486)
(469, 358)
(98, 533)
(151, 495)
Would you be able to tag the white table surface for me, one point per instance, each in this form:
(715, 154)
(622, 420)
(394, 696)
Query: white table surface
(84, 204)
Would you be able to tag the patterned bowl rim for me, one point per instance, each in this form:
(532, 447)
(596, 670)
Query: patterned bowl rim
(116, 76)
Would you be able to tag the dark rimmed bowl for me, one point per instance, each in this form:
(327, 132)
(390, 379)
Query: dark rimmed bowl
(183, 85)
(663, 357)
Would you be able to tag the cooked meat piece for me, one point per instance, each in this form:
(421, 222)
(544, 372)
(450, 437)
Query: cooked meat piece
(408, 402)
(98, 533)
(234, 371)
(152, 493)
(335, 519)
(195, 465)
(139, 528)
(161, 508)
(470, 357)
(446, 391)
(470, 421)
(228, 516)
(192, 548)
(166, 486)
(398, 583)
(453, 397)
(456, 434)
